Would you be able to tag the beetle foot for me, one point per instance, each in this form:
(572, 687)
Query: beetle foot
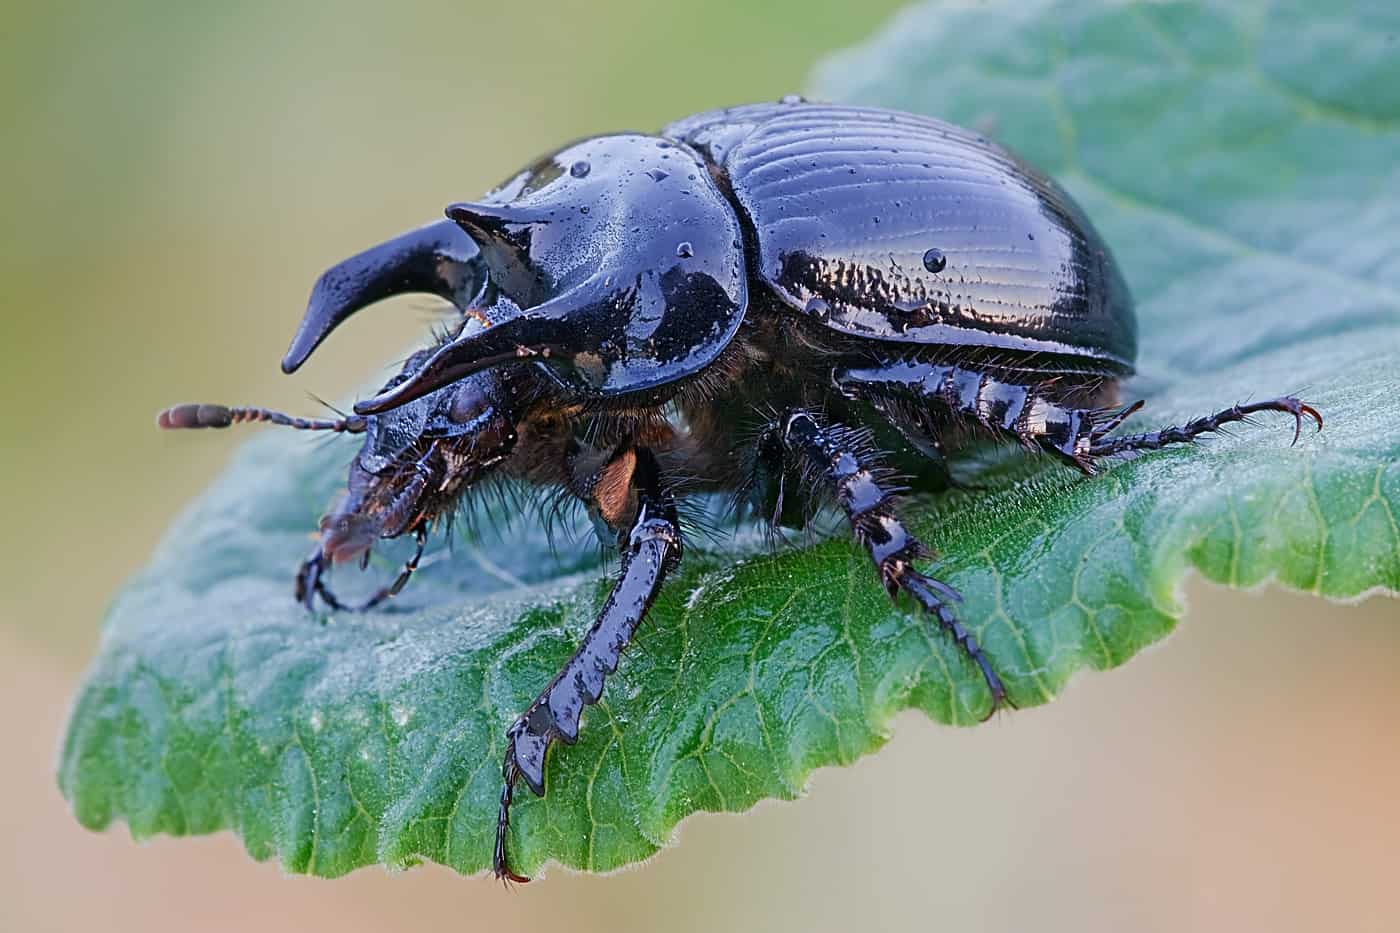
(311, 583)
(1155, 440)
(510, 773)
(527, 741)
(934, 596)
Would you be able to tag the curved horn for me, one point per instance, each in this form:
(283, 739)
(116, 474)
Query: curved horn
(516, 339)
(437, 259)
(548, 331)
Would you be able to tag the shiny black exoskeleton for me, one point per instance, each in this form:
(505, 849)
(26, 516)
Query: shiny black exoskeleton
(755, 300)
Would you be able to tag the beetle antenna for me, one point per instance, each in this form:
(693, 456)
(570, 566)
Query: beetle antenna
(221, 416)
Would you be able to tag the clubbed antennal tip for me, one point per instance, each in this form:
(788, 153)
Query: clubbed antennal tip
(221, 416)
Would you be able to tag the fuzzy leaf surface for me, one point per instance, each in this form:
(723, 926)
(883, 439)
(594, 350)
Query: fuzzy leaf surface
(1243, 159)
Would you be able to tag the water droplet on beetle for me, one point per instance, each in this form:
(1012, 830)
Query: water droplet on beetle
(583, 209)
(791, 99)
(684, 250)
(935, 261)
(579, 169)
(656, 174)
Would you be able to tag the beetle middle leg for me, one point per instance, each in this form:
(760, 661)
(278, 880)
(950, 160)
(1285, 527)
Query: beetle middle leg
(838, 458)
(651, 547)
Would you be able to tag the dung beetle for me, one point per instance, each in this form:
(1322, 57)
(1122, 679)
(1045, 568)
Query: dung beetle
(761, 300)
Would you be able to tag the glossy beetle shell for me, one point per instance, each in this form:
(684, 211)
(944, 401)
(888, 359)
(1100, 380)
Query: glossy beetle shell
(847, 202)
(625, 263)
(629, 239)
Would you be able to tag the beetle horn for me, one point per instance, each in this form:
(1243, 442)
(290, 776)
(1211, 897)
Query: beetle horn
(544, 332)
(439, 259)
(491, 221)
(520, 338)
(503, 232)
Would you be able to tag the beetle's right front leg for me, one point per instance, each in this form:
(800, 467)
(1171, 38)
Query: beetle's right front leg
(651, 547)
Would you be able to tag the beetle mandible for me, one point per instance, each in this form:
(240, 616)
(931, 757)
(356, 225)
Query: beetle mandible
(749, 299)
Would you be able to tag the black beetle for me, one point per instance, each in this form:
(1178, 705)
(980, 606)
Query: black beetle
(740, 303)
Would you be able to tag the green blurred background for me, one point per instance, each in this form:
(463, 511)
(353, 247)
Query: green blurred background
(175, 175)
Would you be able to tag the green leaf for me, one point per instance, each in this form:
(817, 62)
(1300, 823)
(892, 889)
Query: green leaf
(1244, 160)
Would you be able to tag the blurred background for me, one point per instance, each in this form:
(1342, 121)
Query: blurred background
(175, 175)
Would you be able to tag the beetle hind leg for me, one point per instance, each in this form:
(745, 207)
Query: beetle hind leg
(1096, 445)
(1040, 419)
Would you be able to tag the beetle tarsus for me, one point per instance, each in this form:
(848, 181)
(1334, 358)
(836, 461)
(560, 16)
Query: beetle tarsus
(932, 596)
(1185, 434)
(310, 583)
(510, 773)
(393, 587)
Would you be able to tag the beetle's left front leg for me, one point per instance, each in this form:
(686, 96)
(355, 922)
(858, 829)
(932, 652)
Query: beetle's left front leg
(311, 579)
(651, 548)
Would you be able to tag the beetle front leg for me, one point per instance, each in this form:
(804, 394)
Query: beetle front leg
(837, 456)
(651, 548)
(311, 583)
(311, 580)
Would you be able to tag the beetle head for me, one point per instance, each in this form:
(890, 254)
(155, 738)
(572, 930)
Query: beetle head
(415, 461)
(616, 263)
